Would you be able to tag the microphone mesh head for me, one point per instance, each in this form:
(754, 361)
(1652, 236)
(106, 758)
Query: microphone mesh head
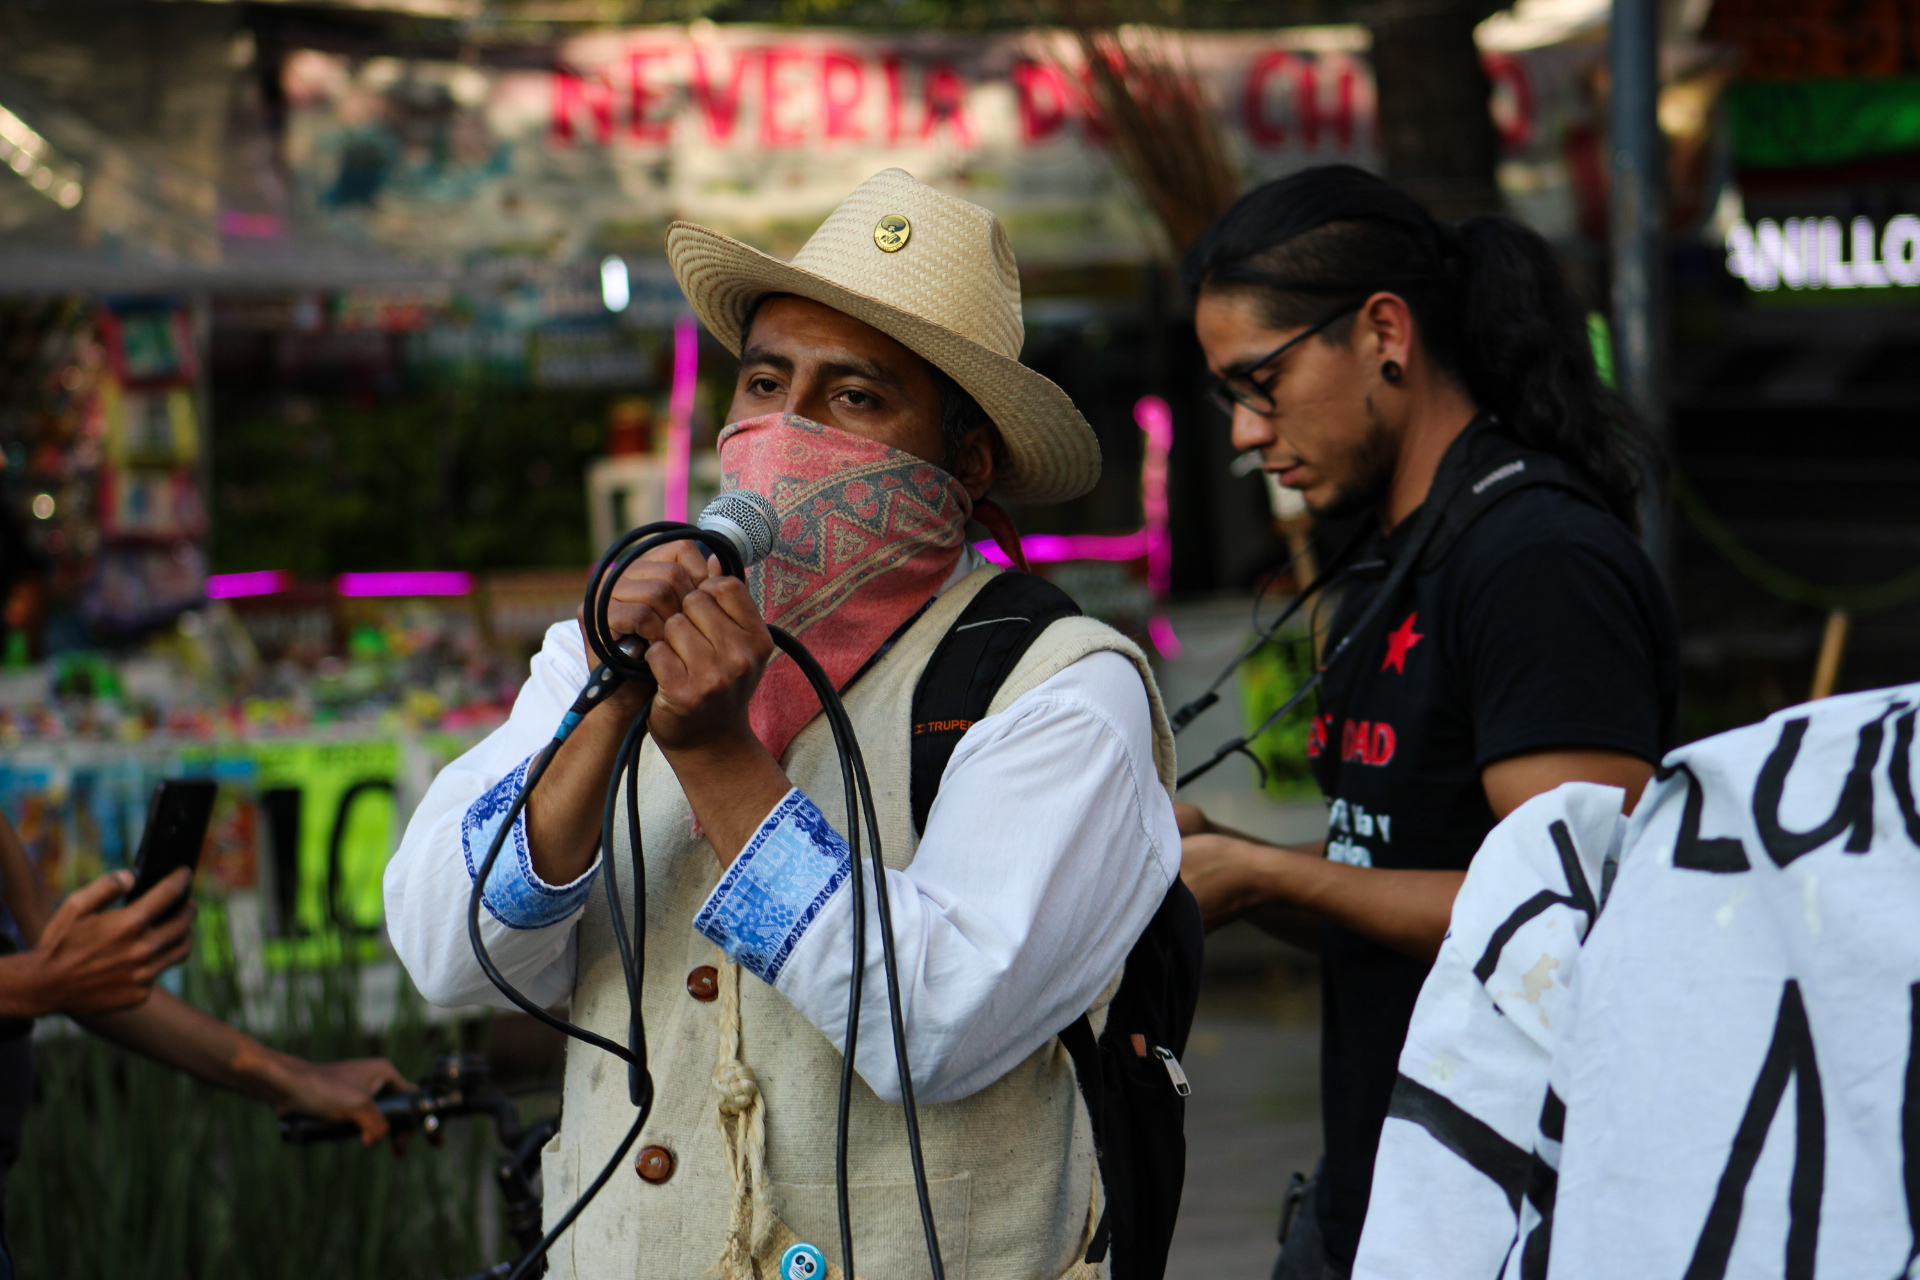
(749, 512)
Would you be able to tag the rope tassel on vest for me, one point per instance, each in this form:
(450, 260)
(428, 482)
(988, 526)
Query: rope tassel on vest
(743, 1137)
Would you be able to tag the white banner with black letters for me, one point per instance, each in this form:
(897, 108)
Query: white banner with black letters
(1455, 1153)
(1734, 1087)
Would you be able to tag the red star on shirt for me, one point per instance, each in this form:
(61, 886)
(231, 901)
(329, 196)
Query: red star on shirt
(1399, 641)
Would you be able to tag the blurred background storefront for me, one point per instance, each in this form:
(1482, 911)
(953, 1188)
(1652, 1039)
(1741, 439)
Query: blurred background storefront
(335, 340)
(338, 339)
(1796, 358)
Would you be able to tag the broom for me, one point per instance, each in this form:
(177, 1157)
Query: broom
(1165, 135)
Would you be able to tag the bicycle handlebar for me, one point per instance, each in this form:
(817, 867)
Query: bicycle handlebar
(405, 1112)
(459, 1085)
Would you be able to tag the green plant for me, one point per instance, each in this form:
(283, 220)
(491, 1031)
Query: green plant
(133, 1171)
(1267, 679)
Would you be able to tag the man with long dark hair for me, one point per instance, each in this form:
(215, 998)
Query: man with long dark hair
(1504, 631)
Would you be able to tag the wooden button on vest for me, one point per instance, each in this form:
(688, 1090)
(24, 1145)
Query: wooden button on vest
(654, 1165)
(703, 984)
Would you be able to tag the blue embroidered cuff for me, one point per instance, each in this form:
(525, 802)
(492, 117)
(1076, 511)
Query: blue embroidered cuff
(775, 889)
(515, 895)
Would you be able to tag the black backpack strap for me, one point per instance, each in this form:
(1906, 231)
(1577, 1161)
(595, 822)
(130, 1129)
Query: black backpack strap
(1495, 468)
(972, 661)
(1140, 1147)
(967, 669)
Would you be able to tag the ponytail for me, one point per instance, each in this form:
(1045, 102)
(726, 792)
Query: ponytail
(1493, 308)
(1526, 355)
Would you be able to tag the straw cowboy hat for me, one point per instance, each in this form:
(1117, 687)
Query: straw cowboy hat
(935, 274)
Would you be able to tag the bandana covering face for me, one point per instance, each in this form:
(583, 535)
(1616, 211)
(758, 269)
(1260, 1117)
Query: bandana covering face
(864, 536)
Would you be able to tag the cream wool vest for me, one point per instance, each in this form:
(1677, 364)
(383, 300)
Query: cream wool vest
(1011, 1169)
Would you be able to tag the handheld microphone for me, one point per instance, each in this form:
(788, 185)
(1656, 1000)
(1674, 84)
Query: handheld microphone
(743, 521)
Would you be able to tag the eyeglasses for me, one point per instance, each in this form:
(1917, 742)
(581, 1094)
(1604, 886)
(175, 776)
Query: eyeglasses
(1244, 388)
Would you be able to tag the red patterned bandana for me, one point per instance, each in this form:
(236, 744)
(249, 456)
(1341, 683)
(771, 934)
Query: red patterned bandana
(866, 534)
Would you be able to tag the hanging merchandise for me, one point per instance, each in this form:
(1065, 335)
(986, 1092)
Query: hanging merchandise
(150, 343)
(102, 520)
(152, 522)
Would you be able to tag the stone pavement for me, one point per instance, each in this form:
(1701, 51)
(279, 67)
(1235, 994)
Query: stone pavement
(1253, 1118)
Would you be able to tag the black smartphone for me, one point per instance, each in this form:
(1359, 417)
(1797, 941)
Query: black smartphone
(177, 821)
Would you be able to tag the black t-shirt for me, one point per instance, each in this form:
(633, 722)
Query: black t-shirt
(1544, 626)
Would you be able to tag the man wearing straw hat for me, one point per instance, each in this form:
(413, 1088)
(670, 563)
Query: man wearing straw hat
(880, 399)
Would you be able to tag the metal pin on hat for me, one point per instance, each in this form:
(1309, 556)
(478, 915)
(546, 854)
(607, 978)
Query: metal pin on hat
(891, 233)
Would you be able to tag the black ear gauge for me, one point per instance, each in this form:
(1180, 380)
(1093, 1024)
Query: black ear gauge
(1391, 371)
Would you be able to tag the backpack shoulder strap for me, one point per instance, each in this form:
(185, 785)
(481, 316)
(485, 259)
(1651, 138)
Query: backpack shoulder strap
(1500, 469)
(967, 668)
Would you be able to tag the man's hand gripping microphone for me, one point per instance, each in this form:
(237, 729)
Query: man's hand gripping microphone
(737, 527)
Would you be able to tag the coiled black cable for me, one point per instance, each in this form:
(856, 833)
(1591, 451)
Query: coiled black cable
(1263, 634)
(849, 747)
(619, 663)
(1425, 525)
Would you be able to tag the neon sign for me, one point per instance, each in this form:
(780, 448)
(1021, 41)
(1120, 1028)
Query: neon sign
(1154, 541)
(261, 582)
(1815, 253)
